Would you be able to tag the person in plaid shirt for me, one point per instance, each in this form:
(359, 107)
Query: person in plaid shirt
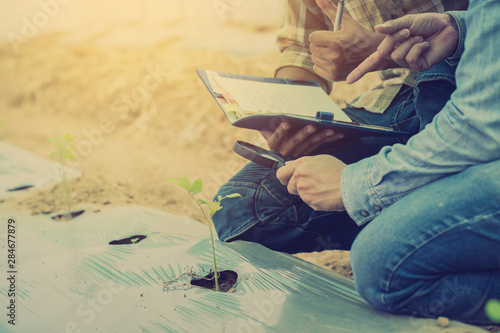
(310, 51)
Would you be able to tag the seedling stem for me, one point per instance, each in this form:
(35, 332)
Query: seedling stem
(213, 207)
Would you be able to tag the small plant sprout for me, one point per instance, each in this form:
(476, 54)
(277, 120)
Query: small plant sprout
(213, 206)
(492, 310)
(63, 153)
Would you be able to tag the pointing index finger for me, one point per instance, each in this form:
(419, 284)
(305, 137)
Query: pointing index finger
(368, 65)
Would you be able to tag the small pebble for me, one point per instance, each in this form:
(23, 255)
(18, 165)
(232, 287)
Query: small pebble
(443, 321)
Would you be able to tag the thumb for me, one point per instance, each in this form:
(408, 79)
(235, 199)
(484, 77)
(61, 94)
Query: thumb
(286, 172)
(328, 8)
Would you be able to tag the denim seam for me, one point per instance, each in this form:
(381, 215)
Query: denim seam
(441, 77)
(397, 124)
(403, 259)
(262, 186)
(272, 194)
(248, 184)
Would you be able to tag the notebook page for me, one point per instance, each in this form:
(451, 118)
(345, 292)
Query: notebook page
(266, 97)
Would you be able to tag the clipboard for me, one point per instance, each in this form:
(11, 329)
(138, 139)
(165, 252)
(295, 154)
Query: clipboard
(262, 103)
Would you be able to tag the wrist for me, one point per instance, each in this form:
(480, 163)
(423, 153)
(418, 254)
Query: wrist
(456, 26)
(450, 21)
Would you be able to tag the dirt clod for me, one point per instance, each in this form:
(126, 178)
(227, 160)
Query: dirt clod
(443, 321)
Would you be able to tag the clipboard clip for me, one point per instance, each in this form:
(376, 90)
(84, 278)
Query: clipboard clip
(324, 117)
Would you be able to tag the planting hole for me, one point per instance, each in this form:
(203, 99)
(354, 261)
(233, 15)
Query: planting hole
(64, 217)
(20, 188)
(227, 279)
(129, 240)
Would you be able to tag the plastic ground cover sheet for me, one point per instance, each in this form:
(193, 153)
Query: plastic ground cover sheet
(21, 170)
(68, 278)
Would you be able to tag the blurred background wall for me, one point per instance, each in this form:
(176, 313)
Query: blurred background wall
(25, 18)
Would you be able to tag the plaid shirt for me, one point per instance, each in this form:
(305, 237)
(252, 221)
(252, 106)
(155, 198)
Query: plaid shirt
(302, 17)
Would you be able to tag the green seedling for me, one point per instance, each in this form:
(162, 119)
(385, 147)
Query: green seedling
(193, 190)
(62, 153)
(492, 310)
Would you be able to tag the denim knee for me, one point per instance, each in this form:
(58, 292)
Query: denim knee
(420, 255)
(263, 199)
(368, 271)
(268, 214)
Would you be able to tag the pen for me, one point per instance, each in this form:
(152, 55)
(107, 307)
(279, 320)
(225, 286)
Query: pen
(338, 18)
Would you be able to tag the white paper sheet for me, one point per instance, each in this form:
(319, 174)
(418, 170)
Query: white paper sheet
(266, 97)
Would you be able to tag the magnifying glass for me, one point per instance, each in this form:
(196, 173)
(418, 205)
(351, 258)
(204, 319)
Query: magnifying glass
(258, 155)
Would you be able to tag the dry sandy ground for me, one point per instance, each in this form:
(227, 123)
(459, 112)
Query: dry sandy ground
(141, 115)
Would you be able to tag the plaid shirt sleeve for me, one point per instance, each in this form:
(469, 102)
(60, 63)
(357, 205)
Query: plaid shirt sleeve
(302, 17)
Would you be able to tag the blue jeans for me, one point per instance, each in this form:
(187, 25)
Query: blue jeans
(269, 215)
(435, 252)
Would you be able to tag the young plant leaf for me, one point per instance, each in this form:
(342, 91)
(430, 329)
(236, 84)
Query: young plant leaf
(69, 153)
(213, 207)
(174, 181)
(67, 138)
(182, 182)
(203, 202)
(233, 195)
(196, 187)
(492, 310)
(63, 153)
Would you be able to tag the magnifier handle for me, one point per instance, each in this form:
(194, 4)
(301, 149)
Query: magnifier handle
(278, 165)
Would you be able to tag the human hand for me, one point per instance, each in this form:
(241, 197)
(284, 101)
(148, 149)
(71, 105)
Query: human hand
(336, 54)
(416, 41)
(316, 179)
(300, 142)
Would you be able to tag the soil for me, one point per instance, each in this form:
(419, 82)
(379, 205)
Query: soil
(55, 84)
(226, 280)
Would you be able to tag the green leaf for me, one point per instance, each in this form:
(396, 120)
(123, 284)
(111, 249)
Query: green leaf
(196, 187)
(492, 310)
(69, 153)
(174, 181)
(67, 137)
(232, 195)
(182, 182)
(213, 207)
(203, 202)
(185, 183)
(134, 240)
